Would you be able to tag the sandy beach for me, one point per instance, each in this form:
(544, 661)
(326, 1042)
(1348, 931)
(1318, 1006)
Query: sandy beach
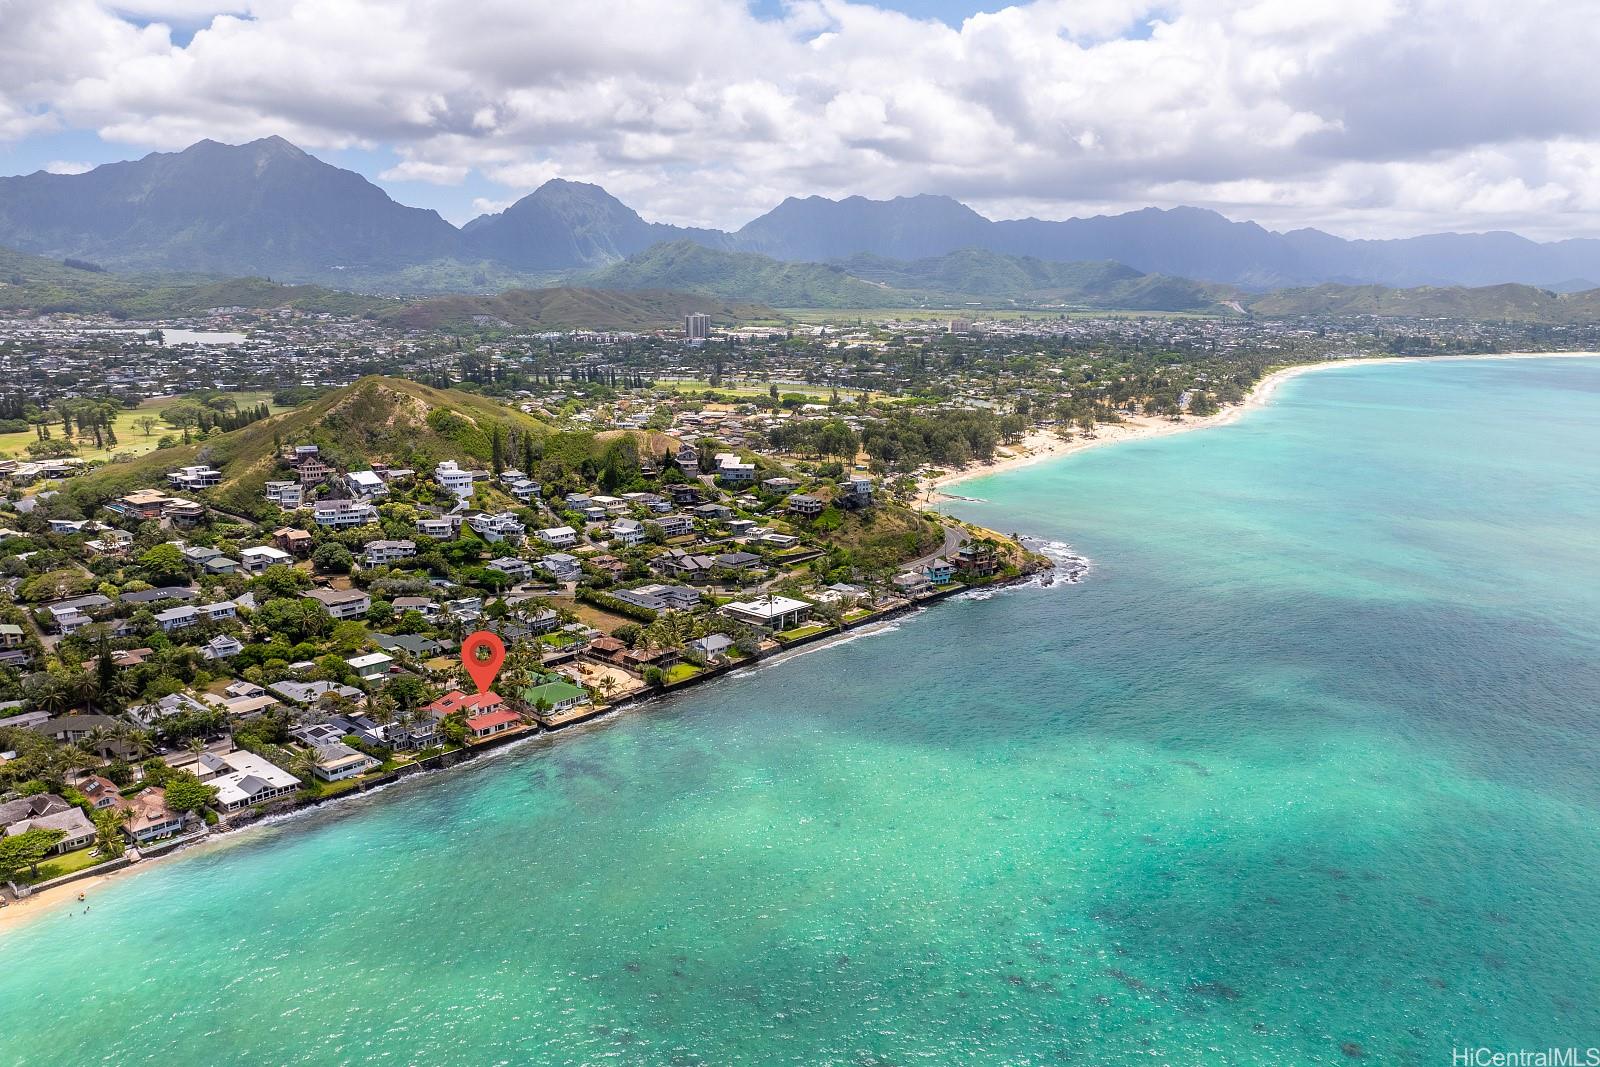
(1039, 446)
(46, 901)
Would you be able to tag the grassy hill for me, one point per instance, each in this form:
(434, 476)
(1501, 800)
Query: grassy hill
(33, 283)
(571, 308)
(378, 419)
(1514, 303)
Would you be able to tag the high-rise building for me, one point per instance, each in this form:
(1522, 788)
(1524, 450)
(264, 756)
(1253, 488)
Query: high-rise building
(697, 326)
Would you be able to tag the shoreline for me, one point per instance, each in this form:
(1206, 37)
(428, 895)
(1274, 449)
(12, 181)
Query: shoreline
(1038, 445)
(59, 898)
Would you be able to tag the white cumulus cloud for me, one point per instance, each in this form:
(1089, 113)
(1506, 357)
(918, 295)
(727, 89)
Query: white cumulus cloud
(1365, 116)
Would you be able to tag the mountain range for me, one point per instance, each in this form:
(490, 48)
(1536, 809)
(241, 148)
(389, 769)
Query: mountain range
(268, 208)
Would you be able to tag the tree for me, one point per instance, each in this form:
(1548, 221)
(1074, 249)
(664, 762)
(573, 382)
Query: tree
(147, 424)
(51, 448)
(408, 691)
(454, 728)
(108, 826)
(27, 849)
(186, 793)
(280, 581)
(163, 565)
(332, 558)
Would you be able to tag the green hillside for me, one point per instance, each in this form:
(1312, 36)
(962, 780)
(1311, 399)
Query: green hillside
(978, 272)
(378, 419)
(866, 281)
(746, 276)
(1514, 303)
(32, 283)
(570, 308)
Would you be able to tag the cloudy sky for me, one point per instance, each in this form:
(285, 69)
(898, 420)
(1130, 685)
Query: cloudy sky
(1363, 117)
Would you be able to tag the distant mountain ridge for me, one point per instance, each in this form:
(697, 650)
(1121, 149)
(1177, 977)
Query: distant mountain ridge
(261, 208)
(865, 281)
(268, 208)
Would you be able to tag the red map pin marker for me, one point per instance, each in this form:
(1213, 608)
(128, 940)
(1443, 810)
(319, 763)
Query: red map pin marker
(482, 654)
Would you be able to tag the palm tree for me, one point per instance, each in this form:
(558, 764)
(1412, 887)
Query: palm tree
(125, 686)
(53, 697)
(142, 741)
(82, 687)
(97, 739)
(73, 758)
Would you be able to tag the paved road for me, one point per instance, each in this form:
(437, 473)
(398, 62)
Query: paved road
(954, 538)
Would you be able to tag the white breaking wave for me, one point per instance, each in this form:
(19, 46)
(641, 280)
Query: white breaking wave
(1070, 568)
(1067, 568)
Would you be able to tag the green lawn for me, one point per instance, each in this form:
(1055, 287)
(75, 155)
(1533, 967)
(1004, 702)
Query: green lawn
(802, 631)
(131, 439)
(681, 672)
(68, 863)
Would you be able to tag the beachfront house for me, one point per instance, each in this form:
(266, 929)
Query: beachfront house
(243, 779)
(770, 612)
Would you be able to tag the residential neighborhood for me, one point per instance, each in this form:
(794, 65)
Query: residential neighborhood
(222, 655)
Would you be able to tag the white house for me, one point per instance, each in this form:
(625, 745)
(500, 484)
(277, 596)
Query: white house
(336, 761)
(440, 529)
(453, 479)
(243, 778)
(340, 603)
(342, 513)
(675, 525)
(372, 666)
(517, 569)
(559, 536)
(178, 618)
(733, 470)
(287, 495)
(221, 611)
(381, 553)
(628, 531)
(68, 618)
(200, 477)
(365, 485)
(523, 489)
(221, 647)
(501, 526)
(258, 558)
(563, 567)
(771, 612)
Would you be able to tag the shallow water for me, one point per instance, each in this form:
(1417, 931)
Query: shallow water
(1304, 771)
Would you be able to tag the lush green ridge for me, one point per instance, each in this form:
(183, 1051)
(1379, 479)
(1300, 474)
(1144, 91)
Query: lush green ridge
(376, 420)
(656, 287)
(970, 275)
(1517, 303)
(33, 283)
(686, 266)
(568, 307)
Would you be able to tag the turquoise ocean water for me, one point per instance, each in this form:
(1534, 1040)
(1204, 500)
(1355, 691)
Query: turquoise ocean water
(1305, 771)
